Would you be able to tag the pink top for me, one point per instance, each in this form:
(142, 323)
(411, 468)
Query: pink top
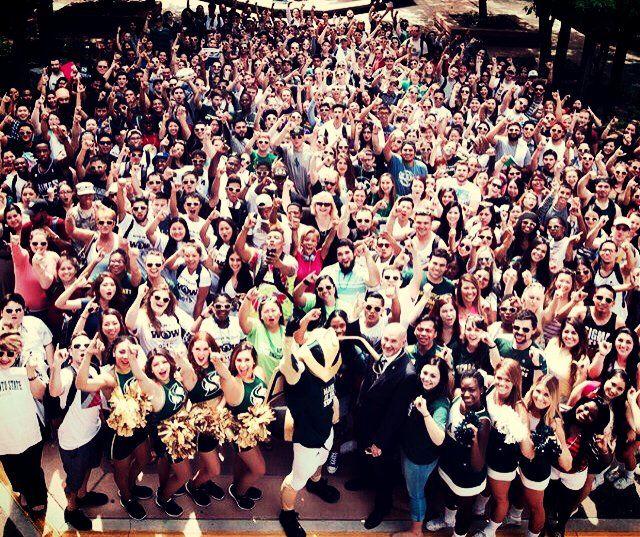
(27, 283)
(308, 267)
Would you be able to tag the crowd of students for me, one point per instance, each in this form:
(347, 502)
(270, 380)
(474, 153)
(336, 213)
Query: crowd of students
(172, 202)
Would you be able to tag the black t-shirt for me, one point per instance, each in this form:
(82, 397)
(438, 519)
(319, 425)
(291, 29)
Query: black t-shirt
(49, 177)
(464, 360)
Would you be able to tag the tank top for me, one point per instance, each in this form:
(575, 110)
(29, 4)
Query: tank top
(124, 379)
(614, 279)
(174, 397)
(501, 457)
(537, 469)
(255, 393)
(597, 332)
(609, 211)
(207, 387)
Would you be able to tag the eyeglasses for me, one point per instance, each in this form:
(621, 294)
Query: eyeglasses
(105, 222)
(370, 307)
(80, 346)
(605, 299)
(38, 243)
(162, 299)
(13, 310)
(523, 329)
(152, 265)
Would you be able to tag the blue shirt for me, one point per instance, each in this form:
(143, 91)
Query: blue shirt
(403, 175)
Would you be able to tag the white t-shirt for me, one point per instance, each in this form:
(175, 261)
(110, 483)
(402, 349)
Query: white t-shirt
(226, 338)
(19, 427)
(170, 334)
(188, 285)
(136, 234)
(82, 421)
(35, 337)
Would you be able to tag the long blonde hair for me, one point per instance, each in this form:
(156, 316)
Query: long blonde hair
(551, 383)
(513, 372)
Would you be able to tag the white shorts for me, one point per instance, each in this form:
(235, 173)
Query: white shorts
(571, 481)
(306, 462)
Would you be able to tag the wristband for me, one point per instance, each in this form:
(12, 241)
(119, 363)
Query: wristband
(31, 379)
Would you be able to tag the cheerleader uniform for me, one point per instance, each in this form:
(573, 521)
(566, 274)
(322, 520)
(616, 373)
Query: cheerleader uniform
(535, 473)
(455, 461)
(124, 446)
(255, 393)
(502, 458)
(206, 389)
(175, 396)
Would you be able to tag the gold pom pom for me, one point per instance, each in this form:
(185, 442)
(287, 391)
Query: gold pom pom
(179, 434)
(129, 410)
(254, 426)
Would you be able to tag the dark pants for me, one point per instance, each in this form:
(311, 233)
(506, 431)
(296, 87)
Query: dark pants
(26, 476)
(380, 473)
(559, 503)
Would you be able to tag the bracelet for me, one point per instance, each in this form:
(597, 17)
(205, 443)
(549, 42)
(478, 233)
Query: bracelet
(492, 346)
(31, 379)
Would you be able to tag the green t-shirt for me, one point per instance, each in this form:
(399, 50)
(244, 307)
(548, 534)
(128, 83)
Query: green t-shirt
(525, 359)
(268, 346)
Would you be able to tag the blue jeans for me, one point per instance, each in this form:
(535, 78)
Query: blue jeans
(416, 476)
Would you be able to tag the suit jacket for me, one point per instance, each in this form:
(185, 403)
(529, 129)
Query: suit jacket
(383, 403)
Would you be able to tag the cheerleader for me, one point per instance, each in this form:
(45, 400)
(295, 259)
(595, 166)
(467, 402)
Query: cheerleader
(130, 454)
(166, 381)
(462, 463)
(207, 390)
(543, 411)
(243, 386)
(507, 411)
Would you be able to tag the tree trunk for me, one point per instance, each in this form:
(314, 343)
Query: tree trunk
(562, 47)
(483, 11)
(619, 58)
(545, 29)
(588, 52)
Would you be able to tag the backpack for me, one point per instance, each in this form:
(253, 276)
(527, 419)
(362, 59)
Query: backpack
(54, 413)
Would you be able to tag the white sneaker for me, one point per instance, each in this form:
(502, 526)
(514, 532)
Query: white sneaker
(625, 481)
(613, 474)
(511, 520)
(437, 524)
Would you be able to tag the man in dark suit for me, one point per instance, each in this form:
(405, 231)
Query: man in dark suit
(384, 398)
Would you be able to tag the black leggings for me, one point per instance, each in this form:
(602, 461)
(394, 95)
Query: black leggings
(464, 510)
(559, 503)
(25, 474)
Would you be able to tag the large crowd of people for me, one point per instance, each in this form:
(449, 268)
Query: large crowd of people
(190, 204)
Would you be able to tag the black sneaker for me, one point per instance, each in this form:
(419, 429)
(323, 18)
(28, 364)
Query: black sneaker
(290, 525)
(134, 509)
(254, 493)
(180, 492)
(77, 520)
(242, 500)
(199, 497)
(323, 490)
(92, 499)
(214, 490)
(170, 507)
(140, 492)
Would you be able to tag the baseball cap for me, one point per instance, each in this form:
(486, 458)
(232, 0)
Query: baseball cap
(85, 188)
(264, 200)
(38, 206)
(161, 156)
(532, 74)
(622, 221)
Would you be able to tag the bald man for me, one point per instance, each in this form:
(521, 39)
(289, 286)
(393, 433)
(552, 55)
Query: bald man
(384, 399)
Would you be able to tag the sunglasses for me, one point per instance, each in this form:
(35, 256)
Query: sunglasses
(162, 299)
(139, 208)
(508, 309)
(233, 189)
(606, 299)
(105, 222)
(156, 265)
(363, 220)
(191, 204)
(4, 352)
(38, 243)
(80, 346)
(222, 306)
(13, 310)
(522, 329)
(394, 278)
(323, 204)
(324, 288)
(369, 307)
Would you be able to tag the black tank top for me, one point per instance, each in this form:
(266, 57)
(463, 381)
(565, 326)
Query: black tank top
(597, 332)
(609, 211)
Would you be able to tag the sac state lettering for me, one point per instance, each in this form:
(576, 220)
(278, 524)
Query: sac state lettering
(10, 385)
(328, 394)
(165, 334)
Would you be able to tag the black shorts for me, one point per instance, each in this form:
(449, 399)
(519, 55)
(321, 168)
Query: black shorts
(122, 447)
(160, 448)
(207, 443)
(77, 463)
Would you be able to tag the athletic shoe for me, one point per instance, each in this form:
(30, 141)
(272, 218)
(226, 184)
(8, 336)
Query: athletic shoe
(213, 490)
(511, 520)
(625, 481)
(180, 492)
(199, 497)
(437, 524)
(170, 507)
(134, 509)
(140, 492)
(332, 465)
(254, 493)
(613, 473)
(77, 520)
(92, 499)
(323, 490)
(242, 500)
(290, 524)
(597, 481)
